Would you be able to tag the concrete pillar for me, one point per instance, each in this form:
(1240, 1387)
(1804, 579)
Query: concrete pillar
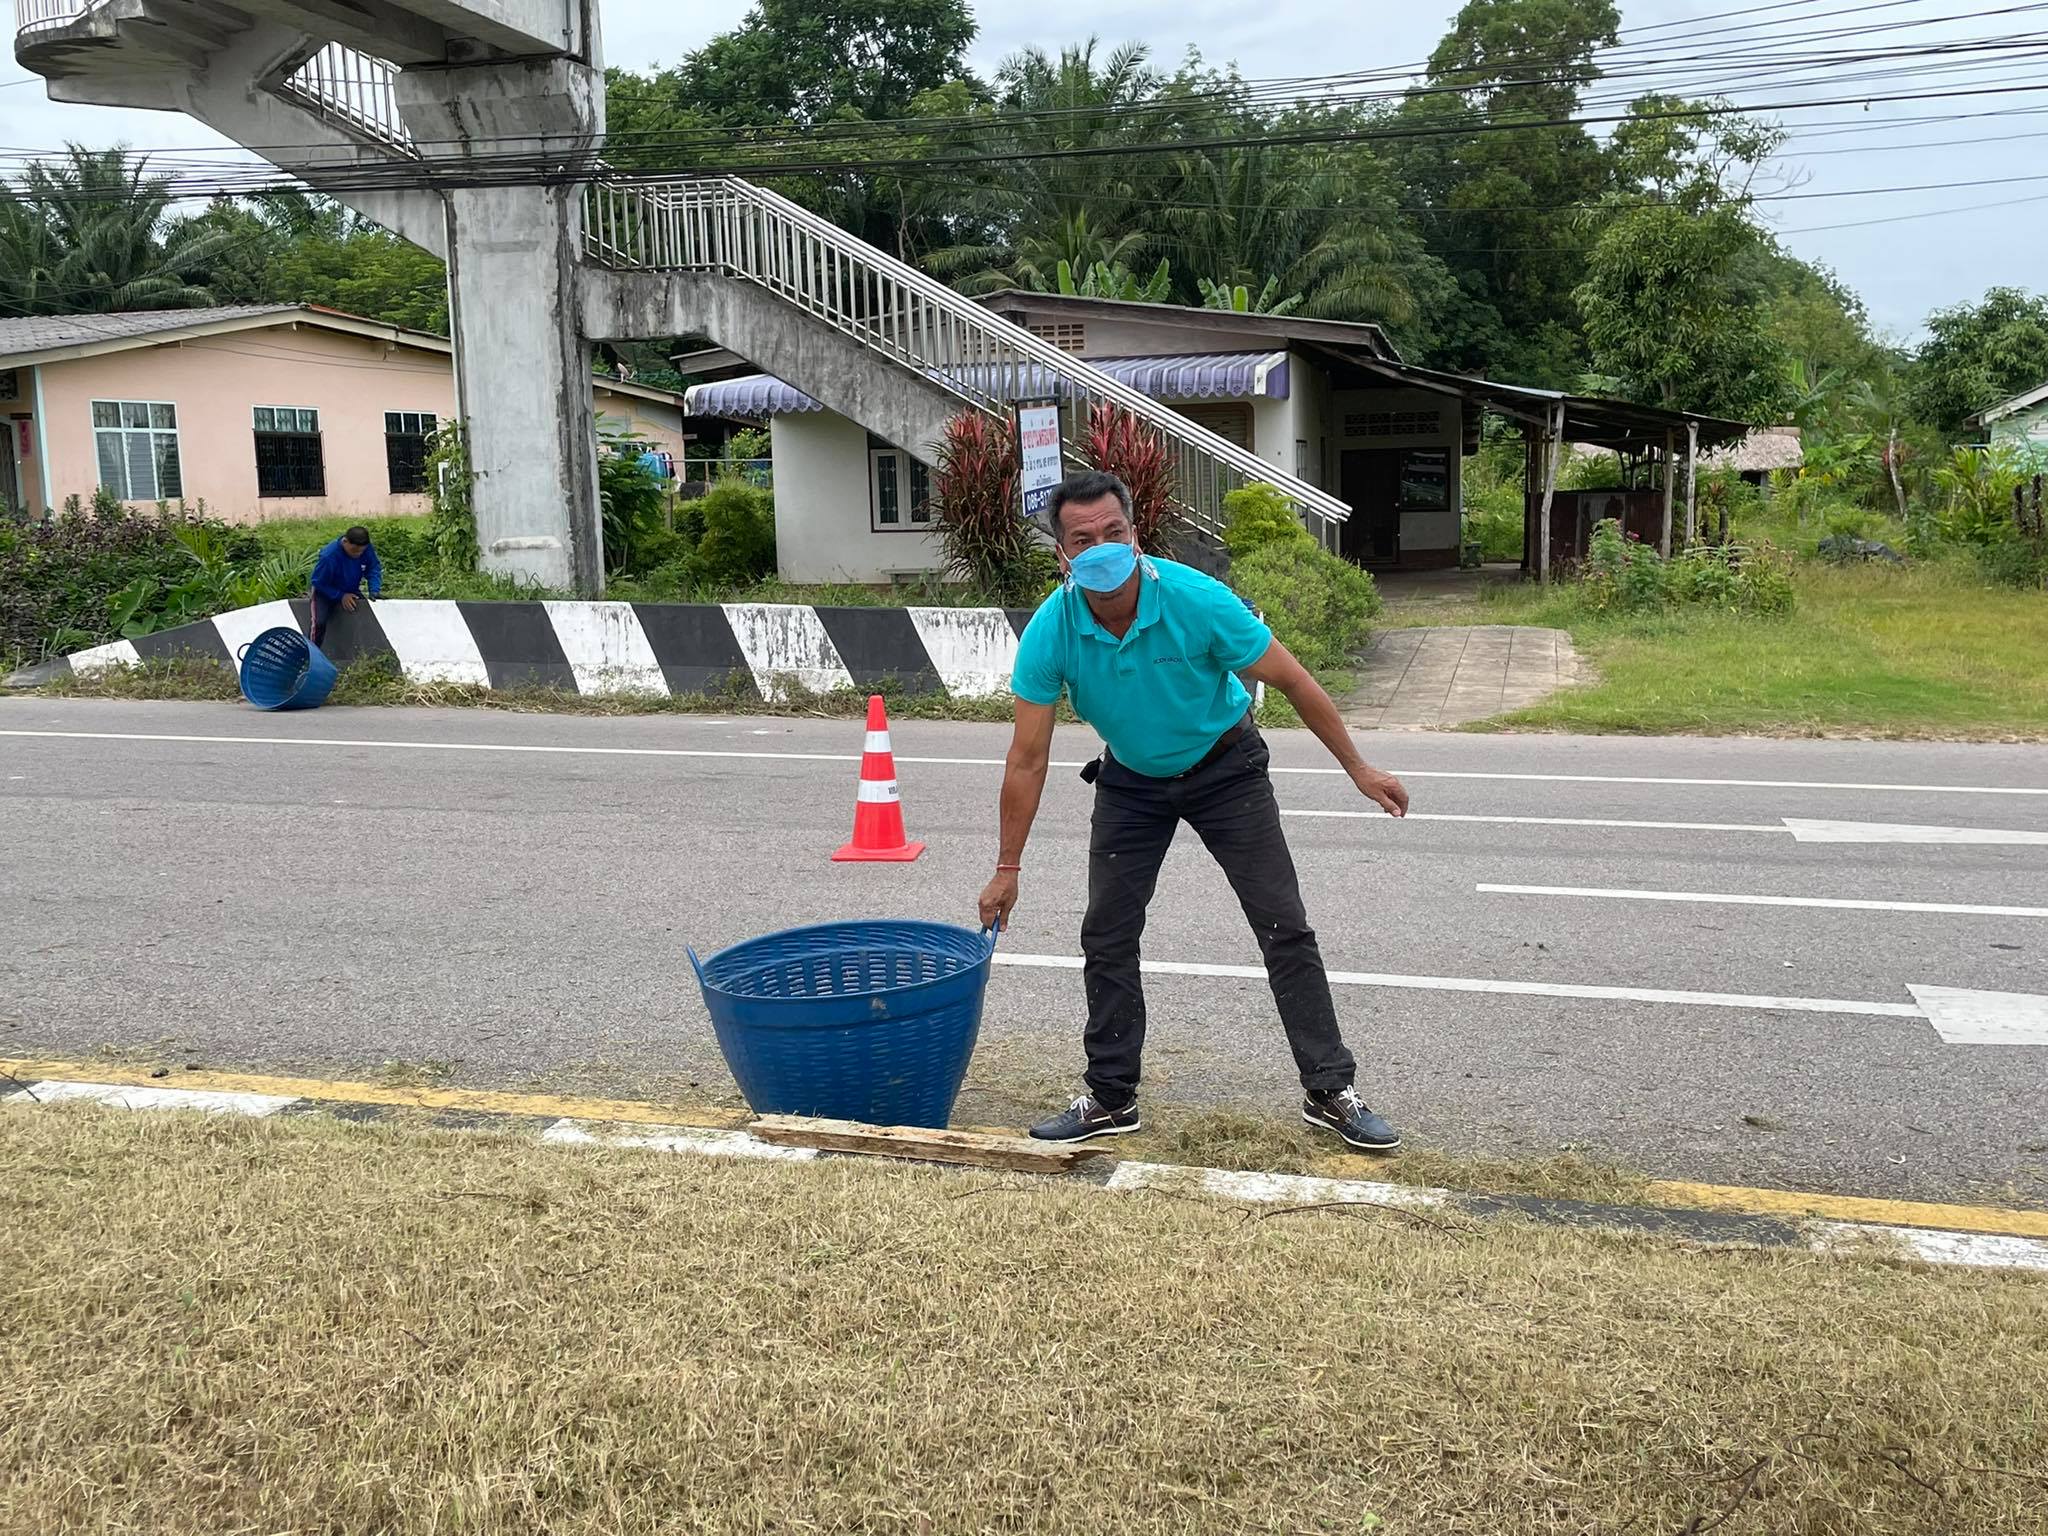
(522, 368)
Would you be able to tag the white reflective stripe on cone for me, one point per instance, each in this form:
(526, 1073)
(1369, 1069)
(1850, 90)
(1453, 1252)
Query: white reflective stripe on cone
(878, 741)
(883, 790)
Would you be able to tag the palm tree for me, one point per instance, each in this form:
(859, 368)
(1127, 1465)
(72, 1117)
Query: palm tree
(92, 235)
(1246, 216)
(1039, 213)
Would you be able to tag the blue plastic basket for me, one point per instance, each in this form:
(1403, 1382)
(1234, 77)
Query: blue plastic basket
(282, 669)
(869, 1021)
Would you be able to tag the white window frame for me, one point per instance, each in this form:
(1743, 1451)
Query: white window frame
(907, 467)
(151, 432)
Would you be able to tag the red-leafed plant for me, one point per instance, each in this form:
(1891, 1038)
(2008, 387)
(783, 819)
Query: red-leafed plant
(1136, 454)
(977, 514)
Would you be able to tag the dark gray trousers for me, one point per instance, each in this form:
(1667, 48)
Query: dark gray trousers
(1230, 805)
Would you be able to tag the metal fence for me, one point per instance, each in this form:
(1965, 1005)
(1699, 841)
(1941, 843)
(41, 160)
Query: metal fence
(354, 89)
(35, 15)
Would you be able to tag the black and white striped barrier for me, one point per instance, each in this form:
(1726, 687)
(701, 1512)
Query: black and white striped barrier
(600, 648)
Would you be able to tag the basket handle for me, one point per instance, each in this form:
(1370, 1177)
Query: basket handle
(993, 932)
(697, 964)
(243, 649)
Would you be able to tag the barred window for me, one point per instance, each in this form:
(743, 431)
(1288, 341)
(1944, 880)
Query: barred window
(405, 449)
(288, 459)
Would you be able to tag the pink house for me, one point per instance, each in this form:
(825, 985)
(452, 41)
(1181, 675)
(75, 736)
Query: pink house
(261, 411)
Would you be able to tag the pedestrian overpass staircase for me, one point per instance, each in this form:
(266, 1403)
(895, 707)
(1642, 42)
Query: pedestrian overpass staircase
(327, 89)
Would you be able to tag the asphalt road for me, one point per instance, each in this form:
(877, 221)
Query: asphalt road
(507, 897)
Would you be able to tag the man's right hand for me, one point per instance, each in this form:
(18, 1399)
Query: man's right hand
(998, 897)
(348, 602)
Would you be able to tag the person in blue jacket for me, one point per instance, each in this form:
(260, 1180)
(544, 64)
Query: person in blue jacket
(338, 577)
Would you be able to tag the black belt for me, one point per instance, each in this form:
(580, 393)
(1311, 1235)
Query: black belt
(1224, 743)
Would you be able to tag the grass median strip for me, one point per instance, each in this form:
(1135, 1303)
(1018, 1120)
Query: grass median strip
(218, 1324)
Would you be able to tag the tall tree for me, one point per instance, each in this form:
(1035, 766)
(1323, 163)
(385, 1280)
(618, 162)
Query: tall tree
(92, 234)
(792, 65)
(805, 61)
(1496, 164)
(1976, 355)
(1671, 306)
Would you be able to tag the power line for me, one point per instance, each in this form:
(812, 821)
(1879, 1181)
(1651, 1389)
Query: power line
(1255, 93)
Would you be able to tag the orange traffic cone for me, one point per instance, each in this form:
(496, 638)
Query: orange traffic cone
(878, 812)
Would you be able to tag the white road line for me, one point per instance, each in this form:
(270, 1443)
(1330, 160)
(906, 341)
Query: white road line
(997, 762)
(1976, 1250)
(1509, 988)
(1738, 899)
(1899, 832)
(1615, 778)
(1964, 1017)
(119, 1096)
(1272, 1188)
(673, 1138)
(1553, 821)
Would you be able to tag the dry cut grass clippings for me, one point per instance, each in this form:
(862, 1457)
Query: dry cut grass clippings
(266, 1326)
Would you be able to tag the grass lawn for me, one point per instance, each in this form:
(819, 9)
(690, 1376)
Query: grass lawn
(231, 1325)
(1925, 651)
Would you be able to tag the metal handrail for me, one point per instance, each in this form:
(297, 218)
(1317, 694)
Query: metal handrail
(37, 15)
(725, 225)
(353, 88)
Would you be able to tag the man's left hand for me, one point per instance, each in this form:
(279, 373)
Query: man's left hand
(1383, 789)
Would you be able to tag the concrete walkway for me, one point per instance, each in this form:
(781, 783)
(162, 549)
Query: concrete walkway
(1416, 678)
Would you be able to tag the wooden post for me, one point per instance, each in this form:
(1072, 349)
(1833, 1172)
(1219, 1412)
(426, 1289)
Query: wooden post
(1692, 453)
(1664, 542)
(1553, 439)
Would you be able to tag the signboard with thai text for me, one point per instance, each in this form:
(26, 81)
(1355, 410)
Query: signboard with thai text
(1038, 453)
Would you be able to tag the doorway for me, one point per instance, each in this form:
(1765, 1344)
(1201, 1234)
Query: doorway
(1370, 479)
(10, 472)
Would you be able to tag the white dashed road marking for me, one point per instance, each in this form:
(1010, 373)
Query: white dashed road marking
(1740, 899)
(1964, 1017)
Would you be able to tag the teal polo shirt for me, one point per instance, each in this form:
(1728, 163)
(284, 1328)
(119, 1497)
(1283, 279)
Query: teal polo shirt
(1162, 694)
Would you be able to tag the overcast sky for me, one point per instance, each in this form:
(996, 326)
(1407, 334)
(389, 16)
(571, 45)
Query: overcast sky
(1906, 253)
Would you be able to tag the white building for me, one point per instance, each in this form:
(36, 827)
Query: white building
(1326, 402)
(2020, 422)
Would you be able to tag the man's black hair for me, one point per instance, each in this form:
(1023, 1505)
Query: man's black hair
(1087, 485)
(358, 536)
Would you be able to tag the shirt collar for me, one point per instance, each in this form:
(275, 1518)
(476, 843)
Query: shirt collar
(1148, 606)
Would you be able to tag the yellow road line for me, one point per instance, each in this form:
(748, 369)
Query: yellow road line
(1794, 1203)
(481, 1101)
(1787, 1203)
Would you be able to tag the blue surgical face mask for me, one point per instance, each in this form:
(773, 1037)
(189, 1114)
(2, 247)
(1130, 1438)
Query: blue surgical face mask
(1103, 567)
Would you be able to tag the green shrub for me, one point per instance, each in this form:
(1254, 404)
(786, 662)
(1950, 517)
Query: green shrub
(1621, 573)
(86, 577)
(1319, 606)
(738, 546)
(2016, 562)
(1259, 514)
(629, 500)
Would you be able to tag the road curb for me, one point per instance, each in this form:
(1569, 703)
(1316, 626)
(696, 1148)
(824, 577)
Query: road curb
(1997, 1238)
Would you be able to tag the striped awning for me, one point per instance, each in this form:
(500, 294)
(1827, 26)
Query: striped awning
(1186, 376)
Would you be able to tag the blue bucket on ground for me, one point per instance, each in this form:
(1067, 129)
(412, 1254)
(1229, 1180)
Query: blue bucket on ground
(282, 669)
(869, 1021)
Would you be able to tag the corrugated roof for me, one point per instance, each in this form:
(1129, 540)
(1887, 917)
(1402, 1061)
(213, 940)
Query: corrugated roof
(43, 333)
(1177, 376)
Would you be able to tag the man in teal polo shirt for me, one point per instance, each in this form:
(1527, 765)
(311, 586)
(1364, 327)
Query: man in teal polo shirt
(1149, 652)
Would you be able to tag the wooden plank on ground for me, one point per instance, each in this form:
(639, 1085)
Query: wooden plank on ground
(975, 1148)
